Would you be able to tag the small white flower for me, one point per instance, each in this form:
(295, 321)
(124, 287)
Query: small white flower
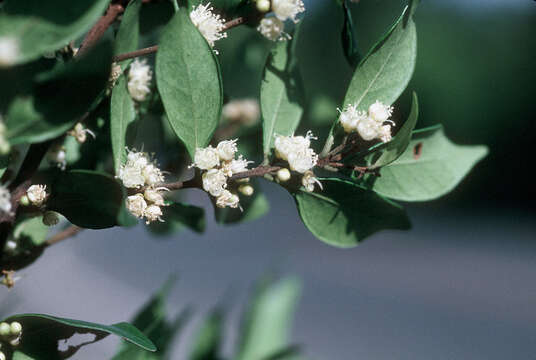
(131, 176)
(368, 129)
(51, 218)
(136, 204)
(227, 199)
(154, 195)
(9, 51)
(5, 200)
(153, 213)
(263, 5)
(384, 133)
(209, 24)
(309, 181)
(283, 174)
(80, 133)
(287, 9)
(380, 112)
(37, 194)
(137, 159)
(303, 160)
(214, 182)
(152, 175)
(206, 158)
(235, 166)
(272, 29)
(139, 77)
(57, 155)
(245, 111)
(227, 149)
(350, 117)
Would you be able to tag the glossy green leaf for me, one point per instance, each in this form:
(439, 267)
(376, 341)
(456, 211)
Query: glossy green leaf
(343, 213)
(31, 231)
(389, 152)
(41, 334)
(122, 115)
(127, 38)
(89, 199)
(281, 93)
(208, 338)
(268, 320)
(38, 29)
(189, 82)
(348, 39)
(430, 167)
(35, 117)
(254, 207)
(179, 216)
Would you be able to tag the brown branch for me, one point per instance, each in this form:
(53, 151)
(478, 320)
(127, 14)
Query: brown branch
(96, 32)
(233, 23)
(258, 171)
(135, 53)
(64, 234)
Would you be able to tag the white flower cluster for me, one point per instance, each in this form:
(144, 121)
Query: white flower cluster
(138, 171)
(219, 164)
(139, 77)
(9, 50)
(11, 333)
(301, 158)
(245, 111)
(369, 125)
(272, 27)
(209, 24)
(37, 194)
(80, 133)
(4, 144)
(5, 200)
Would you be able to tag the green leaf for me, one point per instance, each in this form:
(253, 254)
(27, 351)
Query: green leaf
(344, 213)
(430, 167)
(209, 338)
(254, 207)
(122, 115)
(127, 38)
(189, 82)
(4, 162)
(179, 216)
(349, 42)
(54, 106)
(389, 152)
(385, 71)
(41, 334)
(38, 29)
(17, 355)
(281, 93)
(268, 320)
(89, 199)
(31, 229)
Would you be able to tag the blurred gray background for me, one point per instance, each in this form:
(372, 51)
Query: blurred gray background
(459, 285)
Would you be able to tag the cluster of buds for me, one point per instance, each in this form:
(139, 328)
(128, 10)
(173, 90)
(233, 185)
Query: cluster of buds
(139, 78)
(272, 27)
(80, 133)
(10, 333)
(218, 165)
(141, 173)
(209, 24)
(4, 144)
(301, 158)
(369, 125)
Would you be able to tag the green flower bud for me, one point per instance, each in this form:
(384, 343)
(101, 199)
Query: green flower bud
(16, 328)
(5, 329)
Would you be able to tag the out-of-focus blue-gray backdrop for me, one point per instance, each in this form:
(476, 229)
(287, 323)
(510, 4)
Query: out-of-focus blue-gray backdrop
(460, 285)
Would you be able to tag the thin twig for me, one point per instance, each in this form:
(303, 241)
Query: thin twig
(64, 234)
(96, 32)
(233, 23)
(258, 171)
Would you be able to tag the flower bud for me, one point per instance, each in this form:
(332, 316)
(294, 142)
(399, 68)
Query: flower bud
(227, 199)
(246, 189)
(51, 218)
(154, 196)
(283, 175)
(136, 205)
(153, 213)
(2, 356)
(37, 194)
(15, 342)
(16, 328)
(227, 149)
(263, 5)
(5, 329)
(10, 245)
(24, 201)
